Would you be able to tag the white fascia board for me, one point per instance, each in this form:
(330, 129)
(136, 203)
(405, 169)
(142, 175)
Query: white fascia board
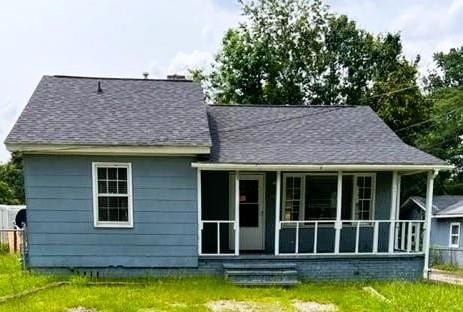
(107, 150)
(447, 216)
(320, 167)
(419, 204)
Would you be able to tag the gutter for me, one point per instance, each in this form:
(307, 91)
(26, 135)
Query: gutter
(317, 167)
(447, 216)
(140, 150)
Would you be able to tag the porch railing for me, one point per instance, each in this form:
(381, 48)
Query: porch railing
(219, 248)
(318, 237)
(355, 237)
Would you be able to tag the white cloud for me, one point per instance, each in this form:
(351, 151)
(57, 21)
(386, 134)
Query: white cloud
(426, 26)
(183, 61)
(180, 64)
(8, 114)
(126, 38)
(115, 38)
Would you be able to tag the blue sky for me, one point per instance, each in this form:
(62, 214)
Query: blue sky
(126, 38)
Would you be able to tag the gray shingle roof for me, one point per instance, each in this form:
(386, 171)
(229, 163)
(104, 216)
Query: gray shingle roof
(307, 135)
(146, 112)
(69, 110)
(442, 204)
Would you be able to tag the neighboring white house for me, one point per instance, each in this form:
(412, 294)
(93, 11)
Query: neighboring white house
(8, 215)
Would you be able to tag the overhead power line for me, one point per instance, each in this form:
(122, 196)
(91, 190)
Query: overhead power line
(271, 121)
(392, 92)
(429, 120)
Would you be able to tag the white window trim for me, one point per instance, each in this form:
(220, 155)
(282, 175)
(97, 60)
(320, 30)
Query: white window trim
(457, 245)
(112, 224)
(355, 194)
(302, 200)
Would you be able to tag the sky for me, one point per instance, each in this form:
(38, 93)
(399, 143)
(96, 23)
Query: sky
(114, 38)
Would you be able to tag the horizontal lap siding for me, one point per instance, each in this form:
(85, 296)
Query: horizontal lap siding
(60, 214)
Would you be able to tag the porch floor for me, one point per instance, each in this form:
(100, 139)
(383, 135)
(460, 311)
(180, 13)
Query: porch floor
(263, 256)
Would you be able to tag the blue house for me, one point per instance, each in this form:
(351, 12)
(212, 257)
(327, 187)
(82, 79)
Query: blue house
(446, 226)
(141, 176)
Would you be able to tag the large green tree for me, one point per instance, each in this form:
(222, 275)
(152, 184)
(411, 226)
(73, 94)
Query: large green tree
(442, 134)
(296, 52)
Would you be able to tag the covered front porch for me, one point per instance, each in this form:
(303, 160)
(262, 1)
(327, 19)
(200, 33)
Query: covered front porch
(305, 213)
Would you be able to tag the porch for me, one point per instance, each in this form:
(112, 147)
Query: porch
(305, 214)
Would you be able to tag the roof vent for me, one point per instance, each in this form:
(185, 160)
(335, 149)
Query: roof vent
(99, 89)
(145, 75)
(176, 77)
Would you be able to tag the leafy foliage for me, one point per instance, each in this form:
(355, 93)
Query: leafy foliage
(442, 136)
(449, 72)
(12, 182)
(400, 103)
(296, 52)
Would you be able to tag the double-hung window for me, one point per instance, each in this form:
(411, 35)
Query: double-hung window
(454, 239)
(364, 189)
(112, 194)
(293, 200)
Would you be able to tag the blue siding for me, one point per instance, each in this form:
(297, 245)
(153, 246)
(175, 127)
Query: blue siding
(60, 214)
(440, 235)
(440, 231)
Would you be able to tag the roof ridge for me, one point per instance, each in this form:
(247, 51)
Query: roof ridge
(120, 78)
(287, 105)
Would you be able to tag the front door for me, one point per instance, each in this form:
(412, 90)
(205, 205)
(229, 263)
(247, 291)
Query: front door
(251, 207)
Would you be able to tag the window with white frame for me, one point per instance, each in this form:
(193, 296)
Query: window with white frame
(112, 194)
(454, 240)
(292, 197)
(364, 188)
(314, 196)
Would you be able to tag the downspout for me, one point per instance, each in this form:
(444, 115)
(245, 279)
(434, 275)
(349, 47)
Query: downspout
(429, 196)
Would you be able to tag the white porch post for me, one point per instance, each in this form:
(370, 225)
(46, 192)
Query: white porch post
(399, 187)
(338, 225)
(199, 198)
(427, 240)
(237, 213)
(392, 214)
(277, 212)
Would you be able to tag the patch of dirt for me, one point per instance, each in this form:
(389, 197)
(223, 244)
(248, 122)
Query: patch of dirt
(311, 306)
(241, 306)
(81, 309)
(178, 305)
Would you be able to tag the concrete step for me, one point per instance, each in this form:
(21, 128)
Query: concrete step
(262, 279)
(261, 274)
(259, 265)
(271, 283)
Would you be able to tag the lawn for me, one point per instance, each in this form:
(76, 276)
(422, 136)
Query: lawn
(14, 280)
(449, 268)
(200, 294)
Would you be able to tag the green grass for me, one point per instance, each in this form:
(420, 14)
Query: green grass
(14, 280)
(192, 294)
(449, 267)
